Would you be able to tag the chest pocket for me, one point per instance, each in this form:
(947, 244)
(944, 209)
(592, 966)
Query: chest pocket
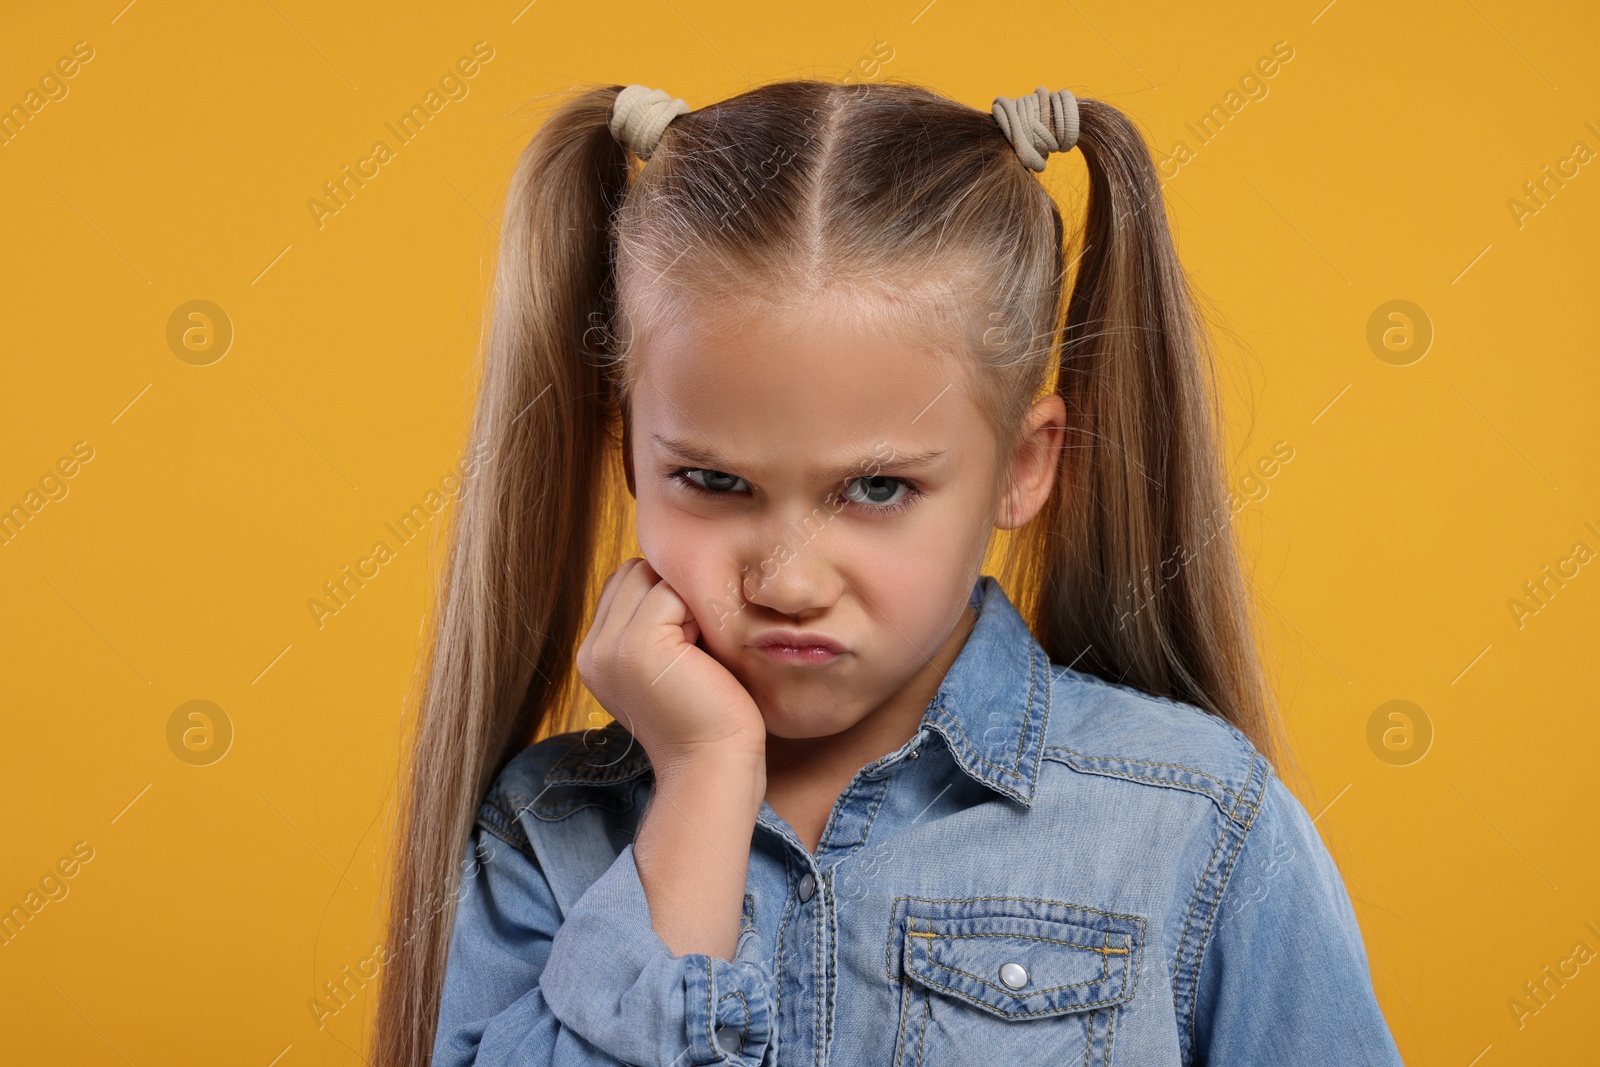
(1009, 979)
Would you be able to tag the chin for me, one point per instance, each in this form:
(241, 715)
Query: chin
(796, 720)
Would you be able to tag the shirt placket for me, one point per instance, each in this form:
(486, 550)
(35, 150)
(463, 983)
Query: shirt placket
(807, 954)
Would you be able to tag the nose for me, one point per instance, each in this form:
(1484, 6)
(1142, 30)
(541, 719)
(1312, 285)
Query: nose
(795, 575)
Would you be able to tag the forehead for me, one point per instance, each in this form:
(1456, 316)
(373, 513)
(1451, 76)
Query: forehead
(825, 376)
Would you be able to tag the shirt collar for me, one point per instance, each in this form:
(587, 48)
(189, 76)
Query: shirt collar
(990, 710)
(992, 705)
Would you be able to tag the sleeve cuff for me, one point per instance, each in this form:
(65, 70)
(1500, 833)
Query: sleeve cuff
(611, 979)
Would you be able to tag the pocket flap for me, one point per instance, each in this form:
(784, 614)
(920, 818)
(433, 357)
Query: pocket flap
(1019, 958)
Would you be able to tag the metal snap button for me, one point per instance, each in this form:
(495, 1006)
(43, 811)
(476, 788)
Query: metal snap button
(727, 1038)
(1014, 975)
(808, 886)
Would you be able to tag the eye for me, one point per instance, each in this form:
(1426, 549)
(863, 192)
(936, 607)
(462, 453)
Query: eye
(715, 483)
(878, 493)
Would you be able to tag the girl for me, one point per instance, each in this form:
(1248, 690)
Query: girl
(856, 804)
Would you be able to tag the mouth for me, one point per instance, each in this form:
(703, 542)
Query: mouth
(802, 648)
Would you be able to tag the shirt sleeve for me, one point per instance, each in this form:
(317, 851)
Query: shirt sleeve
(1284, 978)
(524, 986)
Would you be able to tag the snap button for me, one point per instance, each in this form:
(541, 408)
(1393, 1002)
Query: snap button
(916, 753)
(727, 1038)
(1014, 975)
(808, 886)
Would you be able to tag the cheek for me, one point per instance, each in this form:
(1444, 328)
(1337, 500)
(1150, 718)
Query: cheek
(686, 554)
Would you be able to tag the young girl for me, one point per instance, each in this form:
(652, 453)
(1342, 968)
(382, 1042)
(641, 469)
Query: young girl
(856, 804)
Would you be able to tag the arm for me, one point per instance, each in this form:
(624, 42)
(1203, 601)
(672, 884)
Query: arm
(526, 985)
(1284, 977)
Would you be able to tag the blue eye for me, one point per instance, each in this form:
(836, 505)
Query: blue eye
(878, 492)
(875, 494)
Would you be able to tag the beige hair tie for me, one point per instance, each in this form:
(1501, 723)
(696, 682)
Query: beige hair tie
(641, 115)
(1038, 124)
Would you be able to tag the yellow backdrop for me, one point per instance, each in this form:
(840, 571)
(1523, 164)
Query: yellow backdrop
(224, 385)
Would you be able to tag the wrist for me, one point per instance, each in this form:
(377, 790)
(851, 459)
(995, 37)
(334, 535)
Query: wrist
(736, 770)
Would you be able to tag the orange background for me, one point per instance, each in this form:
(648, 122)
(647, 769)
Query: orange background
(1380, 163)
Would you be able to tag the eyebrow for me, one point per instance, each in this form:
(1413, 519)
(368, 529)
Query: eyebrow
(710, 459)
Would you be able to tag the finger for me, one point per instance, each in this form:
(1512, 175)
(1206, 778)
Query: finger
(631, 590)
(662, 614)
(608, 593)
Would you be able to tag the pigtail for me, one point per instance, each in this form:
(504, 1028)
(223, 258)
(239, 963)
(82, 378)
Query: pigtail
(518, 577)
(1140, 583)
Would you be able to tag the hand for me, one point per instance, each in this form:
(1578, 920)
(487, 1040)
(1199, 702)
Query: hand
(640, 661)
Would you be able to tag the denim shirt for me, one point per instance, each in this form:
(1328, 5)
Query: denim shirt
(1054, 870)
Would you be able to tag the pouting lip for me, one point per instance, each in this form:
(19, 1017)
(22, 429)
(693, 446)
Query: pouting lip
(796, 639)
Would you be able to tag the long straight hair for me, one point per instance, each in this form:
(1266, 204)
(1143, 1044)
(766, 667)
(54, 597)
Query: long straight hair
(1130, 571)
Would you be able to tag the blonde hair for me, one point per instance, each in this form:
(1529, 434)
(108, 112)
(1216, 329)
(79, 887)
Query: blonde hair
(1127, 573)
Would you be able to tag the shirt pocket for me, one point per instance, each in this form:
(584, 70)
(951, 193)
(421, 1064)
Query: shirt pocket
(997, 979)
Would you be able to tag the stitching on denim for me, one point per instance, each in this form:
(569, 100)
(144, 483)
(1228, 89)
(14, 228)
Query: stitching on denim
(888, 942)
(1222, 885)
(900, 1034)
(928, 980)
(510, 831)
(927, 1013)
(711, 1011)
(1027, 900)
(1152, 763)
(1200, 884)
(1088, 1036)
(817, 1023)
(972, 749)
(518, 845)
(895, 909)
(1188, 920)
(1105, 973)
(1111, 1024)
(1171, 783)
(746, 1007)
(629, 766)
(1107, 951)
(832, 983)
(783, 926)
(883, 791)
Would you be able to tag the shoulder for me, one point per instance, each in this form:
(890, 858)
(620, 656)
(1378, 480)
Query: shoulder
(553, 778)
(1103, 728)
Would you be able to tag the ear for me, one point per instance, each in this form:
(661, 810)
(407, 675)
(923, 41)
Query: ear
(627, 454)
(1036, 464)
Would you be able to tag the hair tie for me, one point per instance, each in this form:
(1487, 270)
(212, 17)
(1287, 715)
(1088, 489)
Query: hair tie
(640, 116)
(1039, 123)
